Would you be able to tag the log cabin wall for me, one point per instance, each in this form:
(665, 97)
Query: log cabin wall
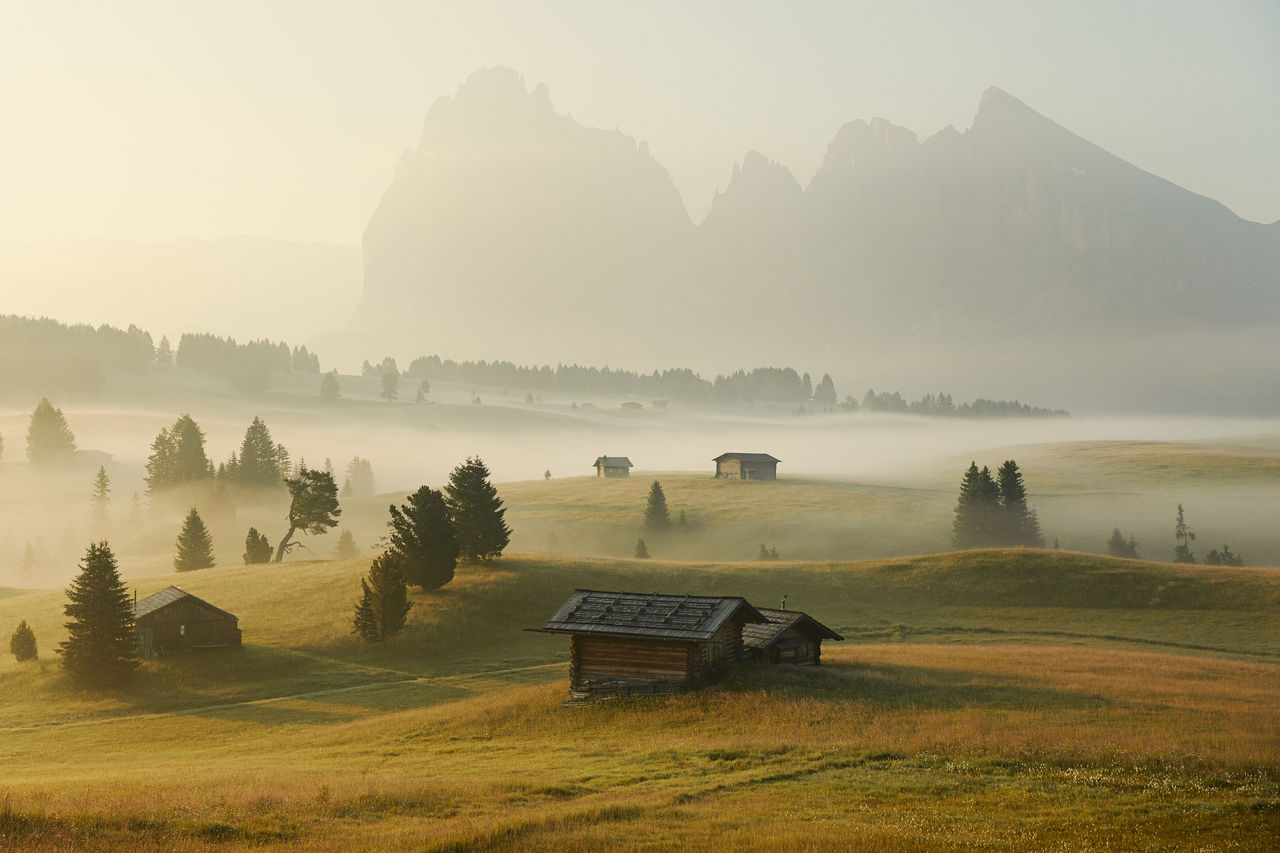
(618, 665)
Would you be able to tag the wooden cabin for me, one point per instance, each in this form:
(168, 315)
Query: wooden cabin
(787, 636)
(626, 644)
(613, 466)
(175, 620)
(746, 466)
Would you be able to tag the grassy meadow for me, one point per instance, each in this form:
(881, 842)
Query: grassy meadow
(988, 699)
(1005, 699)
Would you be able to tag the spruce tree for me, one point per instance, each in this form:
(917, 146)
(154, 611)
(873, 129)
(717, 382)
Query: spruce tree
(423, 543)
(1184, 537)
(258, 464)
(195, 546)
(359, 482)
(384, 601)
(190, 463)
(642, 550)
(1019, 525)
(101, 647)
(100, 500)
(160, 465)
(329, 386)
(346, 547)
(257, 549)
(22, 645)
(1118, 546)
(49, 439)
(978, 519)
(477, 511)
(656, 516)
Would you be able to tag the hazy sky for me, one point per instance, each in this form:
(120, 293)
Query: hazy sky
(152, 121)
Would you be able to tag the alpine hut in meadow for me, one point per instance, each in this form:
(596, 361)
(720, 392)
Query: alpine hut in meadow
(746, 466)
(175, 620)
(787, 636)
(613, 466)
(625, 643)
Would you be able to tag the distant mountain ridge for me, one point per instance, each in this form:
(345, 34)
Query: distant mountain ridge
(1012, 258)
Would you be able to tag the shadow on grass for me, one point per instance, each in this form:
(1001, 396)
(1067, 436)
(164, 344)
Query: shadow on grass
(902, 687)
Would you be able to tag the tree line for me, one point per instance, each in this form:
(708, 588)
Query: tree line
(47, 357)
(248, 365)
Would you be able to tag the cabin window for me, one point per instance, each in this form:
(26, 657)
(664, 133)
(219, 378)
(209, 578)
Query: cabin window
(182, 630)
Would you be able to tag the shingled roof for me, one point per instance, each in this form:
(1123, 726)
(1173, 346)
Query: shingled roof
(168, 596)
(612, 462)
(630, 614)
(746, 457)
(762, 635)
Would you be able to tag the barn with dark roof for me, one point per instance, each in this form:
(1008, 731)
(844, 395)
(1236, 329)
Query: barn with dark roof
(746, 466)
(174, 620)
(624, 644)
(787, 636)
(613, 466)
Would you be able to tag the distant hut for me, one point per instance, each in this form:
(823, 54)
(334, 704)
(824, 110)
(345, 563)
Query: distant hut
(787, 636)
(613, 466)
(746, 466)
(175, 620)
(625, 644)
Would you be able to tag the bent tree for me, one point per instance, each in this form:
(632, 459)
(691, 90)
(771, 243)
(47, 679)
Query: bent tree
(313, 507)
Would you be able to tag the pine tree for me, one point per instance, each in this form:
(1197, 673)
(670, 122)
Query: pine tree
(977, 522)
(190, 462)
(423, 544)
(100, 500)
(257, 549)
(329, 386)
(384, 602)
(359, 482)
(1118, 546)
(346, 547)
(390, 383)
(642, 550)
(259, 461)
(477, 511)
(656, 516)
(1184, 537)
(101, 646)
(195, 546)
(49, 439)
(1019, 523)
(160, 464)
(164, 353)
(825, 393)
(313, 507)
(22, 645)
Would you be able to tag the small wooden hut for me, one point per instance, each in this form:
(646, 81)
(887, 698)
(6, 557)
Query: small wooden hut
(625, 644)
(787, 636)
(746, 466)
(175, 620)
(613, 466)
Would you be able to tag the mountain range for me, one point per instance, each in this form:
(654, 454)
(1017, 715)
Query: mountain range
(1011, 259)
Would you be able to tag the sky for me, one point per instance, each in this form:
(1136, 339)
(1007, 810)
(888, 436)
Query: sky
(154, 121)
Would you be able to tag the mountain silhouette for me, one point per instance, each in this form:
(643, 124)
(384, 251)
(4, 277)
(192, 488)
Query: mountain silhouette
(1011, 259)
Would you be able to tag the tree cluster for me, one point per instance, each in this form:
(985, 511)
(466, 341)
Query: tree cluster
(178, 457)
(993, 512)
(248, 365)
(1182, 553)
(45, 356)
(941, 405)
(1118, 546)
(261, 462)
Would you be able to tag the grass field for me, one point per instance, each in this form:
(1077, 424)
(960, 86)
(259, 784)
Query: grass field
(988, 700)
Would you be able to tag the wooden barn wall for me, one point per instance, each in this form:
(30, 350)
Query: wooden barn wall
(184, 624)
(598, 658)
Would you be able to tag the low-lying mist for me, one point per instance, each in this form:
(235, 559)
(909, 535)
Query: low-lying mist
(851, 485)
